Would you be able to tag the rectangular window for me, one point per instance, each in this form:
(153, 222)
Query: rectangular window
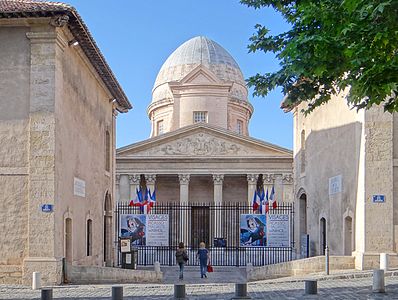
(239, 127)
(160, 127)
(199, 116)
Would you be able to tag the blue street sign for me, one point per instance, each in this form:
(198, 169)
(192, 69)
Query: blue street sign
(47, 208)
(379, 198)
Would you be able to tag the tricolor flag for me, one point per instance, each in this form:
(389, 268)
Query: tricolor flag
(266, 202)
(261, 196)
(138, 198)
(255, 204)
(272, 198)
(152, 200)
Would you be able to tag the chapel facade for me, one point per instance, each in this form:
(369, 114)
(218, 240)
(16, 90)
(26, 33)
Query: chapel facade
(200, 150)
(58, 106)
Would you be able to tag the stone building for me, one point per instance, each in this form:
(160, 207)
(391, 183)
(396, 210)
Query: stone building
(200, 149)
(345, 181)
(58, 106)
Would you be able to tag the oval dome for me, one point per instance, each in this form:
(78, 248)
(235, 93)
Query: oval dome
(196, 51)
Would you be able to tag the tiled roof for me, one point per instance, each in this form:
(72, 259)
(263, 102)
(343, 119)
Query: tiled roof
(31, 9)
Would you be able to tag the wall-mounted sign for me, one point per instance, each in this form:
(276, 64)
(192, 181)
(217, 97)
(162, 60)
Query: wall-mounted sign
(379, 198)
(47, 208)
(79, 187)
(335, 184)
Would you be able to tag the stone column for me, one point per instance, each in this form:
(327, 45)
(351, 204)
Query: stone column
(184, 217)
(134, 181)
(150, 182)
(287, 187)
(251, 187)
(218, 185)
(117, 188)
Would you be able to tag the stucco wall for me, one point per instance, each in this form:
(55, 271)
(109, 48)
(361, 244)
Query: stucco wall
(14, 139)
(331, 148)
(83, 114)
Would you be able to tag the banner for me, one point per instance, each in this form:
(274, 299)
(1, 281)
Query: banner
(252, 230)
(145, 230)
(157, 230)
(278, 230)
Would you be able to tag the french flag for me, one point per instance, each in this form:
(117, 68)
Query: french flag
(272, 198)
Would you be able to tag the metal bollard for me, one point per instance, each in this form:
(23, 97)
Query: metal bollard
(311, 287)
(378, 281)
(327, 260)
(179, 291)
(241, 291)
(384, 261)
(46, 294)
(117, 293)
(36, 284)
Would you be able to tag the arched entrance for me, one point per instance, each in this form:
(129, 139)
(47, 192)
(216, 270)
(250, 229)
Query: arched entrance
(322, 235)
(68, 240)
(108, 230)
(348, 236)
(303, 213)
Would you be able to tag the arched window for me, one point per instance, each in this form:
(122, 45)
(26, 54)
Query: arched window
(107, 151)
(302, 150)
(89, 237)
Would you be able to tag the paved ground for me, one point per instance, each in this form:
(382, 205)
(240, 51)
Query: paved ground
(337, 286)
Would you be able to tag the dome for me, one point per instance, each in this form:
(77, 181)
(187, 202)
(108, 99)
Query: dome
(196, 51)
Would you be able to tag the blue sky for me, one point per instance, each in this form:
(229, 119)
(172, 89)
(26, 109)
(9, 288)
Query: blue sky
(136, 37)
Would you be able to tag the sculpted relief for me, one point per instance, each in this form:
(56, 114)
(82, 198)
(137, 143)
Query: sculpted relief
(198, 144)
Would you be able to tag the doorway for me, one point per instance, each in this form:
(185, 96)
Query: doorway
(108, 231)
(348, 236)
(200, 221)
(68, 240)
(323, 236)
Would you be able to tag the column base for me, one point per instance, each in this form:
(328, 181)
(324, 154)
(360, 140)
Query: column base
(50, 269)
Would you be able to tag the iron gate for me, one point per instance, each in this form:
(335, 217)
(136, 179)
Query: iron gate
(217, 225)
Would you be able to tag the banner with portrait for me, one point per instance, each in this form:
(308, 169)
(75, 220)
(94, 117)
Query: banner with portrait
(144, 229)
(253, 230)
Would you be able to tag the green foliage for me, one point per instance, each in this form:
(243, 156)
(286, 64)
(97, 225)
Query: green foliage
(332, 45)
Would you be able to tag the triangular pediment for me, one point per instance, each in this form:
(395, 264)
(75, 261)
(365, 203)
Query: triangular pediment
(202, 140)
(200, 75)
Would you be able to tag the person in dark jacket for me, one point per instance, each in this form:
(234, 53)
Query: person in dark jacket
(203, 256)
(181, 258)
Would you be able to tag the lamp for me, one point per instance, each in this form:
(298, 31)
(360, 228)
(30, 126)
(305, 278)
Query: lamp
(73, 43)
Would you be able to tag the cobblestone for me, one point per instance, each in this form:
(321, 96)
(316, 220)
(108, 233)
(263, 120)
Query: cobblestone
(348, 288)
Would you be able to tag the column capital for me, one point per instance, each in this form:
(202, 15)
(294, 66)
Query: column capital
(184, 178)
(287, 178)
(218, 178)
(150, 178)
(252, 178)
(134, 178)
(269, 178)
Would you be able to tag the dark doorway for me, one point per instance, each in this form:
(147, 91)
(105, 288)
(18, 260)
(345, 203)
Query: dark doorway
(323, 235)
(200, 221)
(108, 230)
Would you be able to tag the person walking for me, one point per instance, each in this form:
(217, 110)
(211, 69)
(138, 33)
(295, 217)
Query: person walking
(203, 256)
(182, 258)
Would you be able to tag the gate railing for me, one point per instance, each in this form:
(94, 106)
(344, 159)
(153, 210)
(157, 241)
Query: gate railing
(228, 256)
(209, 222)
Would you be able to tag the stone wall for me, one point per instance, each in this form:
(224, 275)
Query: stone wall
(10, 274)
(98, 275)
(300, 267)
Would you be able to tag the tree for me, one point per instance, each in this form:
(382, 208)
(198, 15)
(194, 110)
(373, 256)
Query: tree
(332, 45)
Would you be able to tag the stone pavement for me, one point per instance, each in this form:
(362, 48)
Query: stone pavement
(336, 286)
